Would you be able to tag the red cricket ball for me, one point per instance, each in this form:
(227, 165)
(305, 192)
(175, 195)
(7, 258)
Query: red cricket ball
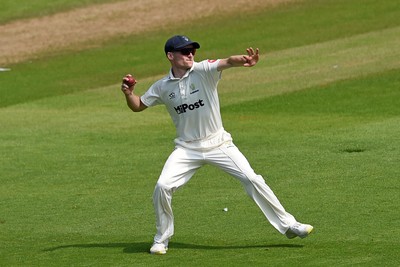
(129, 80)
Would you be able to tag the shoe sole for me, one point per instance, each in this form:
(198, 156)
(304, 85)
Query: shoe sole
(161, 252)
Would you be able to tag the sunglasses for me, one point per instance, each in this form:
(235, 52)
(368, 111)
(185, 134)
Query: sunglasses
(187, 51)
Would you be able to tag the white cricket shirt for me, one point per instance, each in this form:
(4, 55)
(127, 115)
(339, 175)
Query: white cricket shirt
(193, 104)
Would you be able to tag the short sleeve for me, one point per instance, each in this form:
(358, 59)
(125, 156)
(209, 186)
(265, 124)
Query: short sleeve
(152, 96)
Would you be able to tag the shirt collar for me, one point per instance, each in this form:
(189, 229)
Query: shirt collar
(172, 77)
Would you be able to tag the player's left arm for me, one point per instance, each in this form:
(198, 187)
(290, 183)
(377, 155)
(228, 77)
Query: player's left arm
(248, 60)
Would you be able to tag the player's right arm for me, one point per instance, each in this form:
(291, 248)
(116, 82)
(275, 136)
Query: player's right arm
(134, 102)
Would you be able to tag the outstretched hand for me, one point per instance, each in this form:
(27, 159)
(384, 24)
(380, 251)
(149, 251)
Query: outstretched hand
(252, 57)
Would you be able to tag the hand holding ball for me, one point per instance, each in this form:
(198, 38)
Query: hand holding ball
(128, 81)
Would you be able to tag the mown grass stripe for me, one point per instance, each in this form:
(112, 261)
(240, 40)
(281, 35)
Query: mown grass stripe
(318, 64)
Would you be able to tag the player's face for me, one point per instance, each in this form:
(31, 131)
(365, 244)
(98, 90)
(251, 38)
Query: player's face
(183, 58)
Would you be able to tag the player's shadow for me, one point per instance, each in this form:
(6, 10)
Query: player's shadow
(143, 247)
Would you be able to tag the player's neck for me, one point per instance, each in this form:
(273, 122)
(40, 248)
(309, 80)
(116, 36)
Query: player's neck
(178, 72)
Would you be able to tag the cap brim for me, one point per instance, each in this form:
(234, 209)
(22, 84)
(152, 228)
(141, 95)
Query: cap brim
(195, 45)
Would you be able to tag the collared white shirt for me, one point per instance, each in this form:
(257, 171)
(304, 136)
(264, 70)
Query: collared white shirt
(192, 102)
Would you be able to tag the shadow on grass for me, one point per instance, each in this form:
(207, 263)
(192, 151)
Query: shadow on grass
(143, 247)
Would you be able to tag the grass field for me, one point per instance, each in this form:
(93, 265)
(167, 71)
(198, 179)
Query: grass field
(318, 117)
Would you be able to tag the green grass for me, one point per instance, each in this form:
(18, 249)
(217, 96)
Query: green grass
(271, 30)
(23, 9)
(318, 118)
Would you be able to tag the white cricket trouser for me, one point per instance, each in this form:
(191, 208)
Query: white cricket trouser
(183, 163)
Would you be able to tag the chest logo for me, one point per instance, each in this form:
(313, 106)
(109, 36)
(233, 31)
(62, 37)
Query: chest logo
(172, 95)
(193, 88)
(185, 107)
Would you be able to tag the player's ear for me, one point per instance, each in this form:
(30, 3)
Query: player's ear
(170, 55)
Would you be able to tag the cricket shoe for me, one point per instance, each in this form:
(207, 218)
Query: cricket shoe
(158, 248)
(299, 229)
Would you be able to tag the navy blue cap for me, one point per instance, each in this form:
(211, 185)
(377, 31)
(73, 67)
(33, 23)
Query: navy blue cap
(178, 42)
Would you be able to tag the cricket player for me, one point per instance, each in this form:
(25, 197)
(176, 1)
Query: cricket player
(189, 92)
